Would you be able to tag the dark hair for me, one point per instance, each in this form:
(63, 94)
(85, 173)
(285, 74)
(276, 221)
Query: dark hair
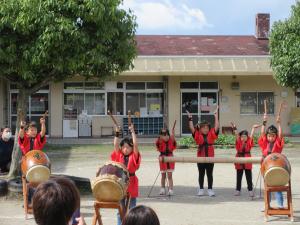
(164, 130)
(141, 215)
(32, 124)
(203, 123)
(272, 130)
(128, 141)
(243, 132)
(55, 201)
(3, 128)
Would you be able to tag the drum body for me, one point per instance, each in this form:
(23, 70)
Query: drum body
(111, 182)
(35, 166)
(276, 170)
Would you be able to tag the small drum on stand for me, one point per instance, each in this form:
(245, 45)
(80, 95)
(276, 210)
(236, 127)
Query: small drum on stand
(35, 166)
(276, 170)
(111, 182)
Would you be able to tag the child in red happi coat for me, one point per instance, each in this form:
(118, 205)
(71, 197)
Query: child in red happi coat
(127, 152)
(272, 141)
(31, 139)
(243, 145)
(166, 144)
(205, 136)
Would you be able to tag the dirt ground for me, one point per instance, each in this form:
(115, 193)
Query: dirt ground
(185, 208)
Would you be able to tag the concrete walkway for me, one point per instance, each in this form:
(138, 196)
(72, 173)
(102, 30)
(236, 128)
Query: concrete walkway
(185, 208)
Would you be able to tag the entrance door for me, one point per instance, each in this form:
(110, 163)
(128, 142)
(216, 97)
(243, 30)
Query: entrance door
(189, 102)
(200, 100)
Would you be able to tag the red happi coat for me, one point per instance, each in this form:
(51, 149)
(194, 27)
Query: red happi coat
(162, 146)
(38, 144)
(243, 152)
(265, 145)
(134, 162)
(199, 139)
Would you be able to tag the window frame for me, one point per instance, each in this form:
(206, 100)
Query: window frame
(106, 91)
(257, 114)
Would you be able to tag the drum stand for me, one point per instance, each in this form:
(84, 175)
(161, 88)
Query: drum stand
(110, 205)
(285, 211)
(26, 186)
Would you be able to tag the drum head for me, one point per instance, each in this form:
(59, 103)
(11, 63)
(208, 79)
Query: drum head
(276, 176)
(38, 174)
(107, 190)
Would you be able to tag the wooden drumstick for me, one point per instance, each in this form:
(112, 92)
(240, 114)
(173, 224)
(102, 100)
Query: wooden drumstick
(174, 125)
(265, 105)
(45, 114)
(282, 104)
(21, 115)
(113, 118)
(129, 118)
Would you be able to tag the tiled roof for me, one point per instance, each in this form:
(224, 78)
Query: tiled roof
(197, 45)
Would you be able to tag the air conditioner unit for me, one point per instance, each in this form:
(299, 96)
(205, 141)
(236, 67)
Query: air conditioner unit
(235, 85)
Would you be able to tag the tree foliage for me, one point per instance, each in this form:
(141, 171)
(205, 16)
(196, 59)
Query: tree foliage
(51, 40)
(43, 41)
(285, 49)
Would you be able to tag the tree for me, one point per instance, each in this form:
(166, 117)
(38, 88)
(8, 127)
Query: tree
(285, 49)
(43, 41)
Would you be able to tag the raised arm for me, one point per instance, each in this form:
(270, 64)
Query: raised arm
(216, 119)
(279, 127)
(22, 128)
(134, 140)
(253, 129)
(264, 124)
(234, 130)
(191, 124)
(173, 130)
(43, 127)
(117, 139)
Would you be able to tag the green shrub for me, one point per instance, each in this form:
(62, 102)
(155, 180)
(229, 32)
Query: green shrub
(223, 140)
(187, 141)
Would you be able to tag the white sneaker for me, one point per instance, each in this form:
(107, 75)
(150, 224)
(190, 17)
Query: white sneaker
(171, 192)
(211, 192)
(162, 191)
(237, 193)
(200, 192)
(251, 194)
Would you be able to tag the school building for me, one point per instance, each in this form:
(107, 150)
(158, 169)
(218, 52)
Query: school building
(171, 74)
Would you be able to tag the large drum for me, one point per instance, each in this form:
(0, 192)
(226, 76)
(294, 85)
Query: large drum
(36, 166)
(276, 170)
(111, 182)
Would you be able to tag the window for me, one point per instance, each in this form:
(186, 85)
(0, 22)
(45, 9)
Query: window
(136, 103)
(253, 102)
(73, 85)
(155, 85)
(249, 103)
(73, 104)
(94, 103)
(81, 96)
(141, 98)
(145, 98)
(94, 86)
(135, 85)
(209, 85)
(38, 104)
(189, 85)
(115, 102)
(155, 104)
(269, 96)
(298, 99)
